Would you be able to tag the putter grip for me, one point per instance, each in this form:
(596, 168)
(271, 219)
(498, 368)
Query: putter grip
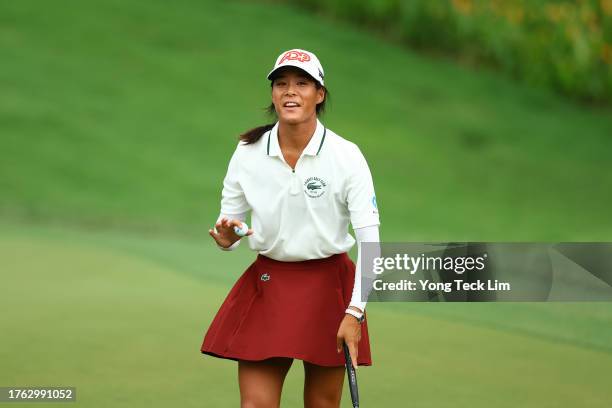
(352, 376)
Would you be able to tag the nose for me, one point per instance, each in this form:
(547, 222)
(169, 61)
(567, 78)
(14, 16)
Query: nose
(290, 89)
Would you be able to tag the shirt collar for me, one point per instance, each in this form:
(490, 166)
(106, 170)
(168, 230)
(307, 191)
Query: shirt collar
(312, 148)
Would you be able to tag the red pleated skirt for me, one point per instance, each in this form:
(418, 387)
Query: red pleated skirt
(287, 309)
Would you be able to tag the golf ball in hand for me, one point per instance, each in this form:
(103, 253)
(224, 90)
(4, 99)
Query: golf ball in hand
(242, 230)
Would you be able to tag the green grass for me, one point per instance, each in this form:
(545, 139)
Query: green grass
(121, 316)
(117, 120)
(121, 115)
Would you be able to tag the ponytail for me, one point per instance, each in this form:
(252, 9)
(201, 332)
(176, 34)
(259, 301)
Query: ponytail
(253, 135)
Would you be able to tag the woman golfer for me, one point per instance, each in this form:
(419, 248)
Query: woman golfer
(302, 184)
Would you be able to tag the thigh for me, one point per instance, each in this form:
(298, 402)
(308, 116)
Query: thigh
(261, 382)
(322, 386)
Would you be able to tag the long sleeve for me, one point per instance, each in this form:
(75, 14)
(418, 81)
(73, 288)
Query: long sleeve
(361, 198)
(233, 200)
(365, 234)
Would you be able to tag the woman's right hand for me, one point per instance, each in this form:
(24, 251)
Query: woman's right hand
(225, 235)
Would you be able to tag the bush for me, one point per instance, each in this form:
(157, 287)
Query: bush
(565, 45)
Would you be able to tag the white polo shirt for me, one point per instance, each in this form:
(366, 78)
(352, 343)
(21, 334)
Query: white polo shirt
(302, 214)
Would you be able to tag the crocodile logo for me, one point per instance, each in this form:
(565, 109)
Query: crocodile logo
(315, 187)
(265, 277)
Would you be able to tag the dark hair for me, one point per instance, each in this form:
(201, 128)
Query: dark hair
(253, 135)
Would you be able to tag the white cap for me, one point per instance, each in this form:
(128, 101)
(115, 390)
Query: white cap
(302, 59)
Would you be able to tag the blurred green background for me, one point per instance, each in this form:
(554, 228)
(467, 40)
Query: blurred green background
(117, 121)
(564, 45)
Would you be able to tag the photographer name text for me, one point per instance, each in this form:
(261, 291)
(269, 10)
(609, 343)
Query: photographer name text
(457, 284)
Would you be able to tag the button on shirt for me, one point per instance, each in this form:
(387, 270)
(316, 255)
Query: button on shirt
(302, 213)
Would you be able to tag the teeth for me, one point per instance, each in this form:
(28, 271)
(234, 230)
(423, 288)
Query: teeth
(291, 104)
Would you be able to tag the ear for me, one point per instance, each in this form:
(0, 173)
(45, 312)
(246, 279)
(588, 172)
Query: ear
(320, 95)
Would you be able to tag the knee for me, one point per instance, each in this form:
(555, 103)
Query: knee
(256, 404)
(258, 400)
(322, 400)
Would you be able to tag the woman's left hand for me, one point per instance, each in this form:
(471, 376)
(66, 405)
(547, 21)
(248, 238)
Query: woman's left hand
(350, 333)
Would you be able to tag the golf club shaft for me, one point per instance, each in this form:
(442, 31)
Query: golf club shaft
(352, 377)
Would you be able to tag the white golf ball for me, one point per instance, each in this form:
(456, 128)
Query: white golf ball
(242, 230)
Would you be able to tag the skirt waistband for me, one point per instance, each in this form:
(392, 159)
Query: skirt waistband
(310, 263)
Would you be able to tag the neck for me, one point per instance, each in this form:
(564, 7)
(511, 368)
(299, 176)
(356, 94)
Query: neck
(295, 136)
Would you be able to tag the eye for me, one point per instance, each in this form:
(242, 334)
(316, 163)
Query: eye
(302, 83)
(279, 83)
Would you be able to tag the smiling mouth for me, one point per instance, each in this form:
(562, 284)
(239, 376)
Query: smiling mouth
(291, 105)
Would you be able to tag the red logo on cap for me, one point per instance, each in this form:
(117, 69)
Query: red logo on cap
(295, 56)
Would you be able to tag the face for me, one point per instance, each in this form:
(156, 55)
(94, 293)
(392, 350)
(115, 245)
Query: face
(295, 96)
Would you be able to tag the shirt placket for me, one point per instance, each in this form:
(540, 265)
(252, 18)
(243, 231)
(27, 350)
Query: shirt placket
(295, 186)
